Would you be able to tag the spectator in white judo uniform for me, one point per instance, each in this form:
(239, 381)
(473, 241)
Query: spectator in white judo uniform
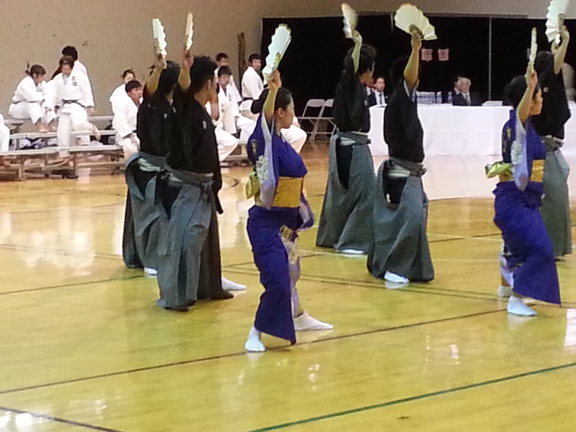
(29, 98)
(125, 118)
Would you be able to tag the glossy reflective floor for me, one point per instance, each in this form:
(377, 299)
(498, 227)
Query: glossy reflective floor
(84, 347)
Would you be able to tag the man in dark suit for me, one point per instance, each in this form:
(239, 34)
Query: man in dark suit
(463, 96)
(377, 96)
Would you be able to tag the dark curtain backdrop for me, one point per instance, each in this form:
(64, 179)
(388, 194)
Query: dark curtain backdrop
(313, 62)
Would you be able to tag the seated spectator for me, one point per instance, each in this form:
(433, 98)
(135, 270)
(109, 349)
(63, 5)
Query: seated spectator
(28, 100)
(119, 92)
(377, 97)
(222, 60)
(464, 97)
(125, 115)
(4, 135)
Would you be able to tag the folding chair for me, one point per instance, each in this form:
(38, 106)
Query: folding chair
(312, 112)
(325, 124)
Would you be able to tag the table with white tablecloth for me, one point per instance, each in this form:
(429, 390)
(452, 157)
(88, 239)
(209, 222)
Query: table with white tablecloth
(459, 131)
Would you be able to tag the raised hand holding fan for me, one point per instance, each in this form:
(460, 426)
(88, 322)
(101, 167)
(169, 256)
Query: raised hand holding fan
(278, 45)
(411, 19)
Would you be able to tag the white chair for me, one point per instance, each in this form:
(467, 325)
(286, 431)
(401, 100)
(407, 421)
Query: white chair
(325, 125)
(313, 111)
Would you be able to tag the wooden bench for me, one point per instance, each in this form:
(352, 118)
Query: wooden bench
(19, 162)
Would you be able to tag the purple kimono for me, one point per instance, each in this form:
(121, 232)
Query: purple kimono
(272, 227)
(529, 253)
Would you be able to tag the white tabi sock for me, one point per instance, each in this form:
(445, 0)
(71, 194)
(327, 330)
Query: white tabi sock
(254, 344)
(305, 322)
(517, 307)
(504, 291)
(228, 285)
(396, 278)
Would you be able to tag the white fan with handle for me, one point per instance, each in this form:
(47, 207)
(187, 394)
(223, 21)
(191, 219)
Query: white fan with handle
(350, 20)
(278, 45)
(189, 30)
(533, 45)
(411, 19)
(555, 19)
(159, 35)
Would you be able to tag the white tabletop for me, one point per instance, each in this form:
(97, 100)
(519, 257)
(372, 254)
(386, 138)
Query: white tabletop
(460, 131)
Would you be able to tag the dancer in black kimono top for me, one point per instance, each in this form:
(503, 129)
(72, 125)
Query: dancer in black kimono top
(550, 126)
(400, 251)
(189, 252)
(346, 218)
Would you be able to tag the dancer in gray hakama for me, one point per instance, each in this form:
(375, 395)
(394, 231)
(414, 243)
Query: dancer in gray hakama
(346, 219)
(549, 124)
(400, 251)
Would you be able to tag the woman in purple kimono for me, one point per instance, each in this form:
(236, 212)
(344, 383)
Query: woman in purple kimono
(528, 263)
(279, 213)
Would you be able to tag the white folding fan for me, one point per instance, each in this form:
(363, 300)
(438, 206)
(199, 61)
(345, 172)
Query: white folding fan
(350, 20)
(409, 18)
(189, 30)
(278, 46)
(158, 31)
(533, 45)
(555, 19)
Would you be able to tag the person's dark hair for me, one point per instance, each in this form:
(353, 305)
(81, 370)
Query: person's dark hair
(397, 70)
(544, 60)
(283, 99)
(168, 78)
(377, 77)
(224, 70)
(201, 72)
(515, 89)
(36, 70)
(221, 56)
(253, 57)
(127, 72)
(70, 51)
(66, 60)
(131, 85)
(366, 61)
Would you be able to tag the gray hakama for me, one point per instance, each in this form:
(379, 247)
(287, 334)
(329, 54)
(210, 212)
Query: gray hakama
(400, 242)
(346, 218)
(555, 208)
(189, 253)
(142, 171)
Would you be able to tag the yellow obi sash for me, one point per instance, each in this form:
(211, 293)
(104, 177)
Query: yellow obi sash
(504, 171)
(288, 191)
(537, 170)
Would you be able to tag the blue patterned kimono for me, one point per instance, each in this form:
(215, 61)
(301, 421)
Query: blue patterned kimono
(280, 212)
(530, 256)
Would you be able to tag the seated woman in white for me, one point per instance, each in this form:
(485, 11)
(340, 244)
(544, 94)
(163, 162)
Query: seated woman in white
(119, 93)
(4, 135)
(28, 100)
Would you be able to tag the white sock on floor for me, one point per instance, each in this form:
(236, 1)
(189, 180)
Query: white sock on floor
(306, 322)
(254, 344)
(517, 307)
(396, 278)
(150, 271)
(228, 285)
(352, 252)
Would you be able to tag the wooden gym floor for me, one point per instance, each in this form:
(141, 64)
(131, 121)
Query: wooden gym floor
(84, 347)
